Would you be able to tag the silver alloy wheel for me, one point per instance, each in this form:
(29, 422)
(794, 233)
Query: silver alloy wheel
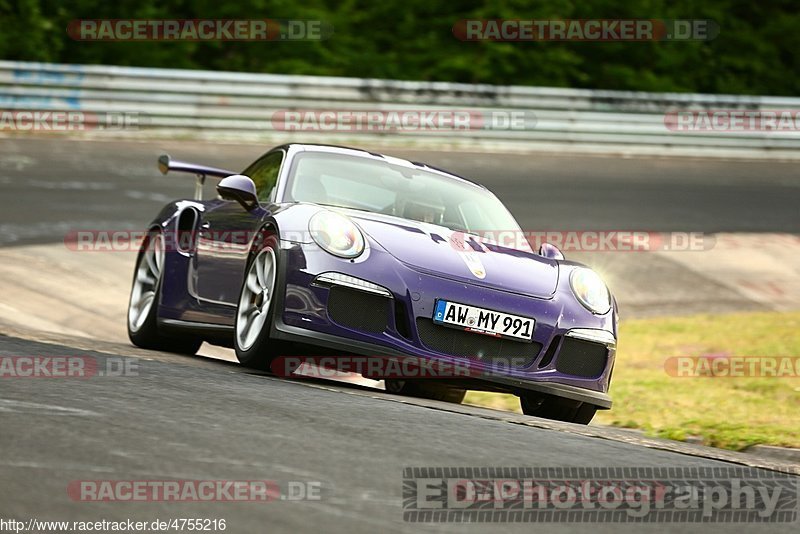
(145, 284)
(255, 299)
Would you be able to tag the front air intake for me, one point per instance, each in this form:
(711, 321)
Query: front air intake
(492, 350)
(582, 358)
(358, 310)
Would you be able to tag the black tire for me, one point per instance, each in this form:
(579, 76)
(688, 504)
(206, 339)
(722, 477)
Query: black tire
(262, 351)
(146, 334)
(412, 388)
(557, 408)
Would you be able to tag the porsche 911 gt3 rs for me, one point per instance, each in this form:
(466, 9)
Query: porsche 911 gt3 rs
(317, 249)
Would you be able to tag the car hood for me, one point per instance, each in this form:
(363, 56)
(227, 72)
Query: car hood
(458, 256)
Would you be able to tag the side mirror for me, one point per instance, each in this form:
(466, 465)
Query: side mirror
(550, 251)
(240, 188)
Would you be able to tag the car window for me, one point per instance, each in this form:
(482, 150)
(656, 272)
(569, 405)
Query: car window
(409, 192)
(264, 174)
(370, 197)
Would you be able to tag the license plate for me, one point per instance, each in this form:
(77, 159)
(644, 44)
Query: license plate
(483, 321)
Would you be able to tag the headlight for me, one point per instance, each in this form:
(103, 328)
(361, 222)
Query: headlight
(590, 290)
(336, 234)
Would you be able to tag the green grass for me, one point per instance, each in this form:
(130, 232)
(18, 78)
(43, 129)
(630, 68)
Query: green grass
(730, 413)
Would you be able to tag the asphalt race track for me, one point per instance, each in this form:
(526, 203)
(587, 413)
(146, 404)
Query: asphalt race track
(208, 420)
(49, 184)
(173, 417)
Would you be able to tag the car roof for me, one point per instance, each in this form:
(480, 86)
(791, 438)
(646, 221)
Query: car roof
(337, 149)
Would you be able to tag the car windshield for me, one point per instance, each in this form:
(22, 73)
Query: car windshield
(396, 189)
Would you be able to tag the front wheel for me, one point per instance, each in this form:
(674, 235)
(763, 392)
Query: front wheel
(143, 305)
(255, 310)
(557, 408)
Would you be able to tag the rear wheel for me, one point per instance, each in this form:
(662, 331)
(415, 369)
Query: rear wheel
(255, 310)
(557, 408)
(143, 328)
(413, 388)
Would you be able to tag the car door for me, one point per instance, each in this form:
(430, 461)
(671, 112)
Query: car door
(226, 230)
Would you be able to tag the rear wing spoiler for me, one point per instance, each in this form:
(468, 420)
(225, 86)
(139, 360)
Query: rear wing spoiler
(167, 164)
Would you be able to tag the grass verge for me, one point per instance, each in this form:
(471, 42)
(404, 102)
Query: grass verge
(726, 412)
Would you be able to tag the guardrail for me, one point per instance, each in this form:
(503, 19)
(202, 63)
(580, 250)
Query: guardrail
(184, 103)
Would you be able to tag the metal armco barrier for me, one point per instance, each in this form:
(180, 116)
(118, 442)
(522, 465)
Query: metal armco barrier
(240, 106)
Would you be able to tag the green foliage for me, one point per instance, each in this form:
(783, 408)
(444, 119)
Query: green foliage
(753, 54)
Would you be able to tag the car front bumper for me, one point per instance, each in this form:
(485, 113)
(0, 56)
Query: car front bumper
(562, 324)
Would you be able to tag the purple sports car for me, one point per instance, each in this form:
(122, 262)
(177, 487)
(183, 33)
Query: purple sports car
(338, 252)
